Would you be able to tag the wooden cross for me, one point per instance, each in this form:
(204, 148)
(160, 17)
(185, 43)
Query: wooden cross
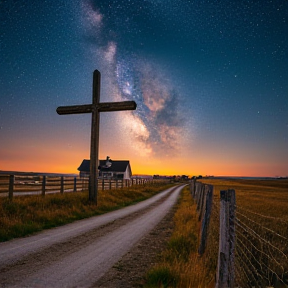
(95, 108)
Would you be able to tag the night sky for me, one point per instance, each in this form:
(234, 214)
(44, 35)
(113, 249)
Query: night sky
(210, 78)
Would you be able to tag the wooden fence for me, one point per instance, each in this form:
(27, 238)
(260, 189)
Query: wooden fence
(249, 254)
(203, 195)
(31, 184)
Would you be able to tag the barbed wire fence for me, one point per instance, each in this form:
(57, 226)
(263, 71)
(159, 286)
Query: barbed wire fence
(261, 251)
(252, 247)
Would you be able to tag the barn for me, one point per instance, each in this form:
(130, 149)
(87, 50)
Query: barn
(108, 169)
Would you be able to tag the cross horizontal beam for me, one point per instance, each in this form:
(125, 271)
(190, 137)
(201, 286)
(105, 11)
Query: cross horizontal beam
(101, 107)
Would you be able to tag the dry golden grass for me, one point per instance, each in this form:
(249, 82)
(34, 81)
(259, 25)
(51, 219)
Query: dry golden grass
(28, 214)
(184, 267)
(261, 230)
(265, 197)
(180, 264)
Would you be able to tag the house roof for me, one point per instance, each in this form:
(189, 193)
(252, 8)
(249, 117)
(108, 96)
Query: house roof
(117, 165)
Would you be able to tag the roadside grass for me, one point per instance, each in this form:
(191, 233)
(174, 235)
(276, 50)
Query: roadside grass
(25, 215)
(180, 265)
(262, 206)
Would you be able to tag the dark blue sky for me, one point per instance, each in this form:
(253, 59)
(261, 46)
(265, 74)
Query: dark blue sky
(210, 79)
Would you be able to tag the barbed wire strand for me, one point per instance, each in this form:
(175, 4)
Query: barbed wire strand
(264, 216)
(262, 252)
(263, 227)
(261, 264)
(259, 237)
(239, 276)
(244, 263)
(251, 256)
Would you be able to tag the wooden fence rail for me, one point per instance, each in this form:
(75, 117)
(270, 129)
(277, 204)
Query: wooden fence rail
(15, 185)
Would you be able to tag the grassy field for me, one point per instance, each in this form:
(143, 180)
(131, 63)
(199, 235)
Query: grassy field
(25, 215)
(181, 266)
(268, 198)
(264, 201)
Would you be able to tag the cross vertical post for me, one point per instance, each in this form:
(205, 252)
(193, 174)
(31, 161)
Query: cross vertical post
(94, 149)
(95, 108)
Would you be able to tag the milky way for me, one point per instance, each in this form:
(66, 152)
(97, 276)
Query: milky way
(157, 125)
(209, 77)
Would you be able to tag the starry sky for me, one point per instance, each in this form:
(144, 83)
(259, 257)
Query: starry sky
(209, 77)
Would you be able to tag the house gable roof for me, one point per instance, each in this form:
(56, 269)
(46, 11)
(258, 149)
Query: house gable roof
(117, 166)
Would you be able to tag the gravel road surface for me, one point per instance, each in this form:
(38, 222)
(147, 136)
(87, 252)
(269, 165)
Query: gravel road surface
(80, 253)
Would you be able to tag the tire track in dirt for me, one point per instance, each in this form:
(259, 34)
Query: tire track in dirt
(79, 261)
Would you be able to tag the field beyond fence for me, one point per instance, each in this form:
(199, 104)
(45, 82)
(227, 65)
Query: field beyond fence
(253, 231)
(227, 233)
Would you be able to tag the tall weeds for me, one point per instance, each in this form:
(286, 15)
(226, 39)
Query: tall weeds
(180, 265)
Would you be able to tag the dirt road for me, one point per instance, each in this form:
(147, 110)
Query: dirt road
(79, 254)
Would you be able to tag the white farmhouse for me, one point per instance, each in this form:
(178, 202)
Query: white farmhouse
(108, 169)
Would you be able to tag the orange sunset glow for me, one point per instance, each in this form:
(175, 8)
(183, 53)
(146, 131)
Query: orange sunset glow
(210, 86)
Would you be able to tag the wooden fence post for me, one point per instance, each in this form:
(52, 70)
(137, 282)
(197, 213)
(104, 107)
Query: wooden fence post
(193, 187)
(199, 196)
(222, 266)
(62, 185)
(103, 184)
(11, 186)
(43, 185)
(232, 233)
(206, 218)
(109, 184)
(196, 194)
(225, 268)
(75, 184)
(202, 201)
